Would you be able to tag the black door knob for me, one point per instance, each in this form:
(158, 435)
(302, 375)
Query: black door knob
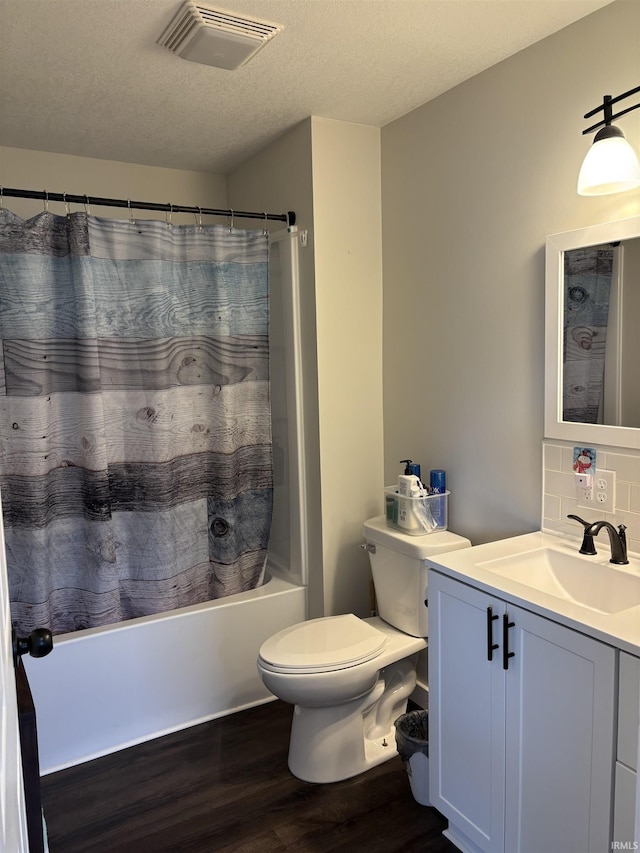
(38, 644)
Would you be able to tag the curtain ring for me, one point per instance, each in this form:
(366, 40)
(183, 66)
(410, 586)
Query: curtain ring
(46, 202)
(168, 214)
(231, 220)
(87, 209)
(200, 218)
(66, 204)
(1, 199)
(131, 219)
(266, 224)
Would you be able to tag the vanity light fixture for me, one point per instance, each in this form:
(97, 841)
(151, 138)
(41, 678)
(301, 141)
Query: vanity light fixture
(611, 164)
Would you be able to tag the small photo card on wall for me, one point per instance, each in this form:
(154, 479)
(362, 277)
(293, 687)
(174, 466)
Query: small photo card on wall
(584, 460)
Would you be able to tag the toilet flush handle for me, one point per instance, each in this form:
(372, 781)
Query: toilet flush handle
(367, 546)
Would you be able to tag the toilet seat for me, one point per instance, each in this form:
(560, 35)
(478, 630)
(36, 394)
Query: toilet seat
(322, 645)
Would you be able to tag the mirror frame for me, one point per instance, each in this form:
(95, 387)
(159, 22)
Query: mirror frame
(556, 246)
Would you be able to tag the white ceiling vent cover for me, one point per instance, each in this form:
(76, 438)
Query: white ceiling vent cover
(216, 36)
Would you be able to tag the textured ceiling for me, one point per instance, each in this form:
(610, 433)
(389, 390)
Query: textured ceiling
(87, 77)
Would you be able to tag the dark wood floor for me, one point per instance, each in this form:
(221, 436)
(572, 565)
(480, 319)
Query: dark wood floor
(224, 786)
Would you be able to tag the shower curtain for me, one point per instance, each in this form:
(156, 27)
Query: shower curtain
(135, 430)
(587, 289)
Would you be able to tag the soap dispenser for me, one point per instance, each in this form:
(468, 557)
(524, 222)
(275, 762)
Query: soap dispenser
(411, 467)
(409, 487)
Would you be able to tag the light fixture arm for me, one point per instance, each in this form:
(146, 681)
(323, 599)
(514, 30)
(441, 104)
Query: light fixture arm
(606, 107)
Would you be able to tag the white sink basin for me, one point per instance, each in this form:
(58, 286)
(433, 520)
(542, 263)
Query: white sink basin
(598, 587)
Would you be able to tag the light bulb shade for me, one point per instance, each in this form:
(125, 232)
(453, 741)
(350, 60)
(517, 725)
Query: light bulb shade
(611, 165)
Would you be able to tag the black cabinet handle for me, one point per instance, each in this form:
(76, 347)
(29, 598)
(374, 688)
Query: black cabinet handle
(506, 654)
(491, 646)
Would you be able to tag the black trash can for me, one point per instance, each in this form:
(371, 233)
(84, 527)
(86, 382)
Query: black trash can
(412, 740)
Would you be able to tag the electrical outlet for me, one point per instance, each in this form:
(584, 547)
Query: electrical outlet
(584, 489)
(586, 498)
(603, 494)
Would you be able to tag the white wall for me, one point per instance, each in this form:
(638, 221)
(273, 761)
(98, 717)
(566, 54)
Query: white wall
(472, 182)
(337, 199)
(347, 224)
(280, 179)
(65, 173)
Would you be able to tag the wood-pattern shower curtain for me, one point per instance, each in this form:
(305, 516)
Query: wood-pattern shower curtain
(135, 429)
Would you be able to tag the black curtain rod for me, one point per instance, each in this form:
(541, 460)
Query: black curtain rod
(68, 198)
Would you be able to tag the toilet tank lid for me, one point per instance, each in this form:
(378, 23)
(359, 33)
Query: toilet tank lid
(324, 644)
(377, 531)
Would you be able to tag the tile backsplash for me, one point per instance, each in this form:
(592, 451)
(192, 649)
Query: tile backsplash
(559, 491)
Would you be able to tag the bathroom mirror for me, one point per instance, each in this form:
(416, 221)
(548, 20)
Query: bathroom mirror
(592, 311)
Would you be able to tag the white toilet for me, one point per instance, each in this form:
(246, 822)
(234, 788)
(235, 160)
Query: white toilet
(349, 678)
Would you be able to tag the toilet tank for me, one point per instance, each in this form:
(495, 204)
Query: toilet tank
(399, 567)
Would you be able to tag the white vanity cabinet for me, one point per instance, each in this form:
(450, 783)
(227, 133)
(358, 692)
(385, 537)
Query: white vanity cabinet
(521, 722)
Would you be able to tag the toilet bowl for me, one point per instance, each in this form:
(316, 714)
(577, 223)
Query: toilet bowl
(349, 678)
(335, 670)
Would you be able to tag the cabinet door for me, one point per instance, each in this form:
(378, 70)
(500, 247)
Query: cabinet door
(466, 710)
(559, 726)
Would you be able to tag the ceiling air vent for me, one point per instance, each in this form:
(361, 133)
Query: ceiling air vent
(216, 36)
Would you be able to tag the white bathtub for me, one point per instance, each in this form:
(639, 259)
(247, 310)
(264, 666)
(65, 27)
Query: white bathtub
(104, 689)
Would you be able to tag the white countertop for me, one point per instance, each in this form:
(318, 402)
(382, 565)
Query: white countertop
(621, 629)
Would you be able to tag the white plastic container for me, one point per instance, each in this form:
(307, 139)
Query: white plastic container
(402, 513)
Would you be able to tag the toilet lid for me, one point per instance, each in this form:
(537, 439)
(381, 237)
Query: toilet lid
(323, 645)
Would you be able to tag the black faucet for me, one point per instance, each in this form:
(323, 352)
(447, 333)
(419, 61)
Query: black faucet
(617, 538)
(587, 546)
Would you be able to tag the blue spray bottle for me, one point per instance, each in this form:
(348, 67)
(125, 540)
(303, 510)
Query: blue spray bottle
(438, 486)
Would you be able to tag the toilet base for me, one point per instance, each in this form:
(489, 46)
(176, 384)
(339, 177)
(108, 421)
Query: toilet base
(335, 743)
